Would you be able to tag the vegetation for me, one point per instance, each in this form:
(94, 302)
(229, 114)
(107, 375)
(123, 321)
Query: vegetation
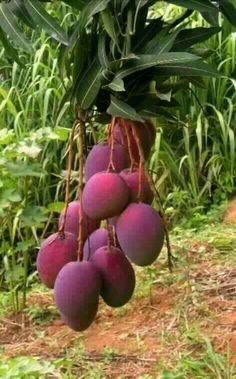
(127, 71)
(187, 335)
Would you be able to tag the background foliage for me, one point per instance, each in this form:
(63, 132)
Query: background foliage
(193, 161)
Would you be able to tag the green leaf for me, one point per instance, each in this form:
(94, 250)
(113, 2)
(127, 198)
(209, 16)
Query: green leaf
(78, 4)
(63, 58)
(102, 55)
(140, 3)
(189, 37)
(198, 5)
(24, 169)
(92, 8)
(81, 55)
(148, 34)
(9, 196)
(109, 25)
(63, 105)
(118, 108)
(9, 25)
(212, 17)
(154, 110)
(177, 21)
(56, 206)
(198, 68)
(161, 43)
(63, 133)
(124, 3)
(9, 49)
(45, 21)
(6, 136)
(116, 85)
(19, 9)
(89, 85)
(146, 61)
(229, 10)
(198, 82)
(203, 53)
(164, 96)
(33, 215)
(15, 275)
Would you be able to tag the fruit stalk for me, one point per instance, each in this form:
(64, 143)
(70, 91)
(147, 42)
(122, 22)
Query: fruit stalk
(111, 238)
(131, 156)
(142, 161)
(111, 166)
(68, 179)
(142, 165)
(81, 126)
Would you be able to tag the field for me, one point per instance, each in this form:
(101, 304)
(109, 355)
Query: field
(178, 325)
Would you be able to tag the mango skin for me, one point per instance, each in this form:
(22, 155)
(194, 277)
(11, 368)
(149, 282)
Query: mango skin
(105, 195)
(140, 232)
(79, 324)
(117, 273)
(54, 254)
(132, 180)
(96, 240)
(72, 220)
(145, 131)
(76, 294)
(99, 156)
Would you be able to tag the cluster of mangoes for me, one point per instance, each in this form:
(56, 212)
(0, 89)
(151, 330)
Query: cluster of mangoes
(117, 190)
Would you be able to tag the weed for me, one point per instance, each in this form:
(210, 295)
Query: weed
(208, 365)
(27, 367)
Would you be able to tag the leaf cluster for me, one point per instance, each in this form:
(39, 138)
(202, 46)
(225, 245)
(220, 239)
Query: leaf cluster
(116, 58)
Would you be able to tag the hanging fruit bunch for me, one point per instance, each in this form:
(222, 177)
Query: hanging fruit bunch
(122, 62)
(110, 226)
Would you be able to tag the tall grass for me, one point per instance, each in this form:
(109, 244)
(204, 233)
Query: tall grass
(32, 156)
(195, 156)
(193, 161)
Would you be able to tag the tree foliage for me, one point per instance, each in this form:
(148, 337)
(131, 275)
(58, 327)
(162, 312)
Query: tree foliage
(118, 59)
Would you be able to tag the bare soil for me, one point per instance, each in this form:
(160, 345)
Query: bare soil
(230, 216)
(135, 336)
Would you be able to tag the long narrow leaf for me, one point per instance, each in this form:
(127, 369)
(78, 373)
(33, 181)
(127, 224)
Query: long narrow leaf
(109, 25)
(198, 68)
(118, 108)
(19, 9)
(198, 5)
(9, 49)
(92, 8)
(102, 55)
(89, 85)
(45, 21)
(187, 38)
(78, 4)
(146, 61)
(10, 26)
(161, 43)
(229, 10)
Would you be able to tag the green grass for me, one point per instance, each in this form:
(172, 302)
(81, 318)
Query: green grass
(194, 157)
(33, 142)
(193, 161)
(27, 367)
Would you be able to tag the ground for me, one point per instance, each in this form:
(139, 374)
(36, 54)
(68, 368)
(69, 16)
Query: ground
(178, 325)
